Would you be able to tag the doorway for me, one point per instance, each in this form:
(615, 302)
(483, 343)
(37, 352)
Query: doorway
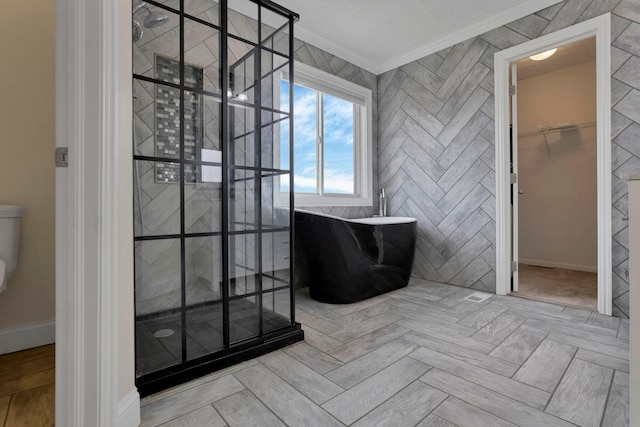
(506, 248)
(554, 158)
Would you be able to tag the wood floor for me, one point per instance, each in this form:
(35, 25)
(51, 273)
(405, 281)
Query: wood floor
(27, 388)
(421, 356)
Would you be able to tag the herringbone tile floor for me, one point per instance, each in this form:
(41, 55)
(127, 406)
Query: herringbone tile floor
(421, 356)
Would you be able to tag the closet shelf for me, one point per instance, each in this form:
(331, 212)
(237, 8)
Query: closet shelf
(546, 130)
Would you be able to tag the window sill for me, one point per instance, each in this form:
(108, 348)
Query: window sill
(333, 200)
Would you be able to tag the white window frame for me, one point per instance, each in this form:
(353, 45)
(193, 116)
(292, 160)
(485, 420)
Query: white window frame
(324, 82)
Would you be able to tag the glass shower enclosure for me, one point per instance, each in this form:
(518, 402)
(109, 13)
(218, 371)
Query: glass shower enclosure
(212, 230)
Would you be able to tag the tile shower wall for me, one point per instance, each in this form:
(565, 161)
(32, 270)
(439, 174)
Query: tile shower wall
(156, 208)
(436, 144)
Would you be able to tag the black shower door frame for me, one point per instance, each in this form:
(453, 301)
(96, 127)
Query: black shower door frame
(233, 351)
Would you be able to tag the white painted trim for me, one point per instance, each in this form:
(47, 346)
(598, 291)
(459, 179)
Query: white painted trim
(21, 337)
(634, 301)
(90, 47)
(521, 10)
(329, 83)
(601, 28)
(496, 21)
(128, 412)
(552, 264)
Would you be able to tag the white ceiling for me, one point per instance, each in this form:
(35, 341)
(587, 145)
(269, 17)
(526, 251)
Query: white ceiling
(379, 35)
(566, 56)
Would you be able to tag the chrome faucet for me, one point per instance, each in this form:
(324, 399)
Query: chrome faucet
(382, 203)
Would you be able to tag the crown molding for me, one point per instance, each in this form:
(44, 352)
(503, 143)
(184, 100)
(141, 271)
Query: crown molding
(509, 15)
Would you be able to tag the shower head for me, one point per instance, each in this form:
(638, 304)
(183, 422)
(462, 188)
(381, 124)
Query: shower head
(137, 31)
(155, 19)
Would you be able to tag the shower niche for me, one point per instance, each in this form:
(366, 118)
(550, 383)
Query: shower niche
(212, 231)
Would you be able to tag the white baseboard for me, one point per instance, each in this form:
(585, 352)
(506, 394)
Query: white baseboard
(552, 264)
(128, 414)
(22, 337)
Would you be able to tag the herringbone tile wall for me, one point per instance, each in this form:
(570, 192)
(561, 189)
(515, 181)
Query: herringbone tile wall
(436, 143)
(329, 63)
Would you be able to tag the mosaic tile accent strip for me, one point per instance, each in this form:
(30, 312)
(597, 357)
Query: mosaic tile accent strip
(168, 120)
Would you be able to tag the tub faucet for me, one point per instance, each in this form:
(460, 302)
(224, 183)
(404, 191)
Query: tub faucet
(382, 203)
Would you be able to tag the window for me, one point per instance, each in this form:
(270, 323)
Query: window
(332, 139)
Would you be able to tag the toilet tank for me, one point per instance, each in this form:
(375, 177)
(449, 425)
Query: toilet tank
(10, 236)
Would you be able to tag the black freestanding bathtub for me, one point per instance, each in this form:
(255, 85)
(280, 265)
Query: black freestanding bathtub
(348, 260)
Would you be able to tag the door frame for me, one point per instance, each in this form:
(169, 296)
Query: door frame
(95, 364)
(600, 27)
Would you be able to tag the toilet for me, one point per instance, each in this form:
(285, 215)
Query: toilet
(9, 241)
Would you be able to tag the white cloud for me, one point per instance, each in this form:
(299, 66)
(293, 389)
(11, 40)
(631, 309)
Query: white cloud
(337, 182)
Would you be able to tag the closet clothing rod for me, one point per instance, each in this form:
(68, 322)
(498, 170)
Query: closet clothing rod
(556, 129)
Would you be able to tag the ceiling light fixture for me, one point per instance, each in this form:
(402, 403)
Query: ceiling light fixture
(543, 55)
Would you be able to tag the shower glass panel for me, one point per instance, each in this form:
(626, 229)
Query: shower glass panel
(212, 232)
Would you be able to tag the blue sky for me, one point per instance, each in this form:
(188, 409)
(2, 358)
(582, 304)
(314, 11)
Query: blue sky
(338, 140)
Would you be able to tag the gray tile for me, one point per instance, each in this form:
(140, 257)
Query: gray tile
(319, 340)
(423, 117)
(446, 335)
(429, 143)
(495, 403)
(568, 15)
(203, 417)
(427, 99)
(191, 399)
(467, 136)
(621, 378)
(405, 408)
(628, 73)
(623, 331)
(422, 159)
(614, 347)
(358, 329)
(435, 421)
(453, 57)
(286, 402)
(464, 114)
(629, 9)
(307, 381)
(317, 360)
(318, 322)
(571, 403)
(500, 328)
(416, 311)
(503, 38)
(363, 367)
(476, 245)
(356, 348)
(244, 409)
(518, 346)
(530, 26)
(522, 392)
(481, 317)
(357, 401)
(602, 321)
(547, 364)
(603, 360)
(463, 414)
(460, 72)
(628, 40)
(617, 410)
(464, 354)
(422, 75)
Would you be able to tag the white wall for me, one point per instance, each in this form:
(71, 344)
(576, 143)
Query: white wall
(558, 209)
(27, 140)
